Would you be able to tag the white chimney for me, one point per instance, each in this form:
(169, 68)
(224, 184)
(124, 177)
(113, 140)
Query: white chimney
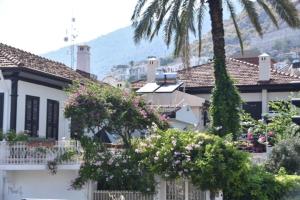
(152, 65)
(83, 58)
(264, 67)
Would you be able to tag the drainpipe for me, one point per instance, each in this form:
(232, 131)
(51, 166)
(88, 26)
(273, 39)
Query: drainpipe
(14, 101)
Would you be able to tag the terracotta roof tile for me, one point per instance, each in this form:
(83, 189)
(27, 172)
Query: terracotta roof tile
(241, 72)
(13, 57)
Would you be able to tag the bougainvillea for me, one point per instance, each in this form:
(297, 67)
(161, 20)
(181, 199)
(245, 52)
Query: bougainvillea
(95, 107)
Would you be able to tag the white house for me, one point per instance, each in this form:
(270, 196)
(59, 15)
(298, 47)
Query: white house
(258, 83)
(32, 101)
(161, 90)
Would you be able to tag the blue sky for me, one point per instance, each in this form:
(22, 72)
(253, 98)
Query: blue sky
(39, 26)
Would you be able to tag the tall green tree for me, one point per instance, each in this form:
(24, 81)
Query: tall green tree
(180, 18)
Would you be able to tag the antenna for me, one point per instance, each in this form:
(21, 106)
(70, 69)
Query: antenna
(70, 38)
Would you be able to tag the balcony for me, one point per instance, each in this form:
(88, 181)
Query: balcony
(36, 155)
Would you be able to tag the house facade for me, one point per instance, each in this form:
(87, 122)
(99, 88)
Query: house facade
(258, 84)
(32, 99)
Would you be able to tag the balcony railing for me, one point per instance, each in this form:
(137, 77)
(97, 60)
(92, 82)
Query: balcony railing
(39, 153)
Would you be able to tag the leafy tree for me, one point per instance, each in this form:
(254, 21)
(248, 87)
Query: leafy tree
(96, 108)
(285, 154)
(257, 184)
(179, 18)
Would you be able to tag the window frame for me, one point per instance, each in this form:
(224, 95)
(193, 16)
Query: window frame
(52, 135)
(32, 98)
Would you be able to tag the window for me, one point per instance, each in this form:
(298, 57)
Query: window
(32, 109)
(254, 109)
(1, 110)
(52, 119)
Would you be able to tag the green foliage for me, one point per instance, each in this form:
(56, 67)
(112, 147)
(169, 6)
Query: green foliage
(1, 135)
(280, 123)
(226, 104)
(257, 184)
(209, 162)
(97, 107)
(12, 136)
(113, 169)
(285, 154)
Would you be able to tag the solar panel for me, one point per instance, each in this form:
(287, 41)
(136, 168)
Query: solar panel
(148, 88)
(168, 88)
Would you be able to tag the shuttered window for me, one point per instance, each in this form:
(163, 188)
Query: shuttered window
(32, 109)
(52, 119)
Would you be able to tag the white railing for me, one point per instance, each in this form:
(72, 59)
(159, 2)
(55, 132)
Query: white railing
(121, 195)
(39, 153)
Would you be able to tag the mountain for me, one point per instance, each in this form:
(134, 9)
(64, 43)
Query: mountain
(117, 48)
(274, 41)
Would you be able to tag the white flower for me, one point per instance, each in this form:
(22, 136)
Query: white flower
(189, 147)
(98, 163)
(117, 164)
(167, 175)
(157, 153)
(111, 177)
(174, 142)
(165, 160)
(156, 158)
(177, 162)
(137, 151)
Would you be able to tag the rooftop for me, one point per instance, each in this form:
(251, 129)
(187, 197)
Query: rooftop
(243, 74)
(11, 57)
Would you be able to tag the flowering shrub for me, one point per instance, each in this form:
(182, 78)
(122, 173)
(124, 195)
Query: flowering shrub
(113, 169)
(206, 160)
(96, 107)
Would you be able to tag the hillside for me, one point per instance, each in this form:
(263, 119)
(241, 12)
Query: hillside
(118, 48)
(275, 41)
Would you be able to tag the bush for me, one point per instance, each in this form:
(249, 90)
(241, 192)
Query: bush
(208, 161)
(285, 154)
(12, 136)
(1, 135)
(257, 184)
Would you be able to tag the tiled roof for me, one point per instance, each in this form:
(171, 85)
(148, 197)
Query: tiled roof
(242, 73)
(13, 57)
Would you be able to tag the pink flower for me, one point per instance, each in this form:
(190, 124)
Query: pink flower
(144, 114)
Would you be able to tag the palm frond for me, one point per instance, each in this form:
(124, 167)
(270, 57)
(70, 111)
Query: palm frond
(200, 18)
(287, 11)
(171, 23)
(137, 10)
(249, 7)
(164, 10)
(144, 26)
(231, 9)
(268, 11)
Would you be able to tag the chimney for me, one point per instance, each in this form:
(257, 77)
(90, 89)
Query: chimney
(152, 65)
(83, 59)
(264, 67)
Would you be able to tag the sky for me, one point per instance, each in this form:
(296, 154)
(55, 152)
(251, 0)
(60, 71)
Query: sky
(39, 26)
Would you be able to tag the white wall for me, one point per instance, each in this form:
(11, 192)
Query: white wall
(254, 97)
(41, 184)
(25, 88)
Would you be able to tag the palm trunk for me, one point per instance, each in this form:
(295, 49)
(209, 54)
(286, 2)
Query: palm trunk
(225, 99)
(216, 15)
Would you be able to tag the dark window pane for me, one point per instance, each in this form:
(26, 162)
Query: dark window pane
(254, 109)
(52, 119)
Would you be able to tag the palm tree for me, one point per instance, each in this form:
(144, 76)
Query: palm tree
(179, 18)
